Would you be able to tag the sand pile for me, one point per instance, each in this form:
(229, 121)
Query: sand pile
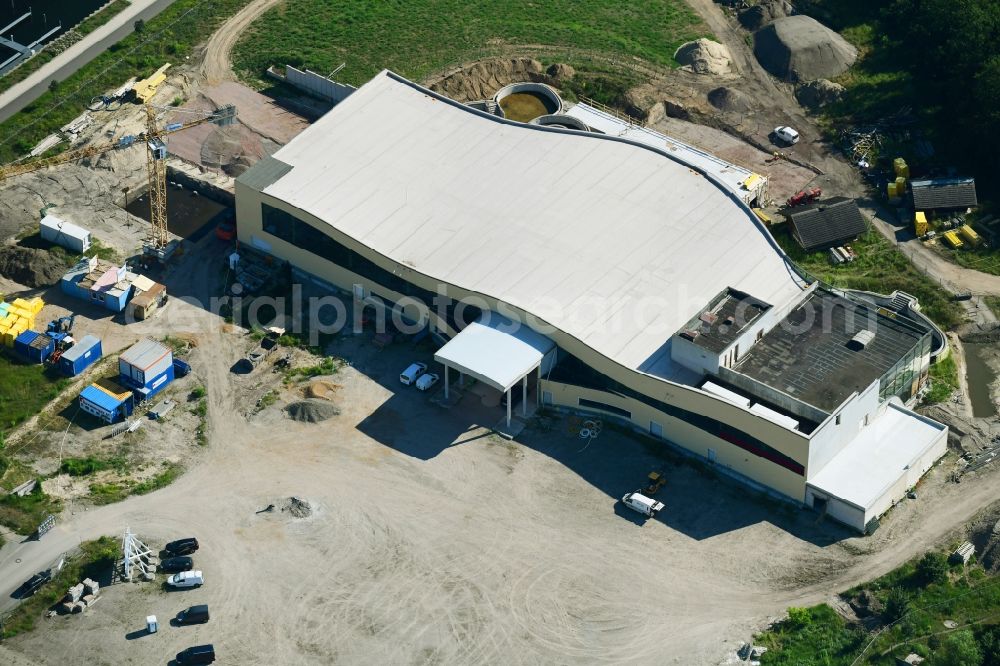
(756, 17)
(311, 411)
(730, 100)
(703, 56)
(32, 267)
(299, 508)
(819, 93)
(800, 48)
(321, 390)
(233, 148)
(483, 79)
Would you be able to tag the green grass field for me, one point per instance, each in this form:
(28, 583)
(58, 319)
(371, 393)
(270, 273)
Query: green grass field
(24, 390)
(416, 38)
(881, 268)
(911, 605)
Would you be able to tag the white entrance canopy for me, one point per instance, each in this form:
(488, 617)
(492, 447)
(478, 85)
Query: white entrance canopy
(496, 351)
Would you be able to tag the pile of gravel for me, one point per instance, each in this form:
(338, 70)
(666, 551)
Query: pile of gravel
(311, 411)
(728, 99)
(703, 56)
(800, 48)
(32, 267)
(756, 17)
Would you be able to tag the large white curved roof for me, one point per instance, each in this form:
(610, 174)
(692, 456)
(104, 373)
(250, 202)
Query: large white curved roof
(614, 243)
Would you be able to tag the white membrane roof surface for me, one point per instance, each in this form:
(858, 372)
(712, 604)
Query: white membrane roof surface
(613, 243)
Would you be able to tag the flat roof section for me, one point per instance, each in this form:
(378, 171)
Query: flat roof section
(725, 318)
(613, 242)
(875, 459)
(808, 355)
(495, 351)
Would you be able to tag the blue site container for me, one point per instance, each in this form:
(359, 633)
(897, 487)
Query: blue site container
(34, 347)
(80, 356)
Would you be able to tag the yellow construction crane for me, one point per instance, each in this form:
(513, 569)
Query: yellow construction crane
(156, 155)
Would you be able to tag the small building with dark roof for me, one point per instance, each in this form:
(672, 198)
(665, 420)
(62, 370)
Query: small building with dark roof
(826, 223)
(944, 194)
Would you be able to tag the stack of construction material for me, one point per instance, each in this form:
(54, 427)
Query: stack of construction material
(17, 317)
(71, 602)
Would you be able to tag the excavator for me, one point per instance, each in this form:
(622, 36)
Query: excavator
(157, 245)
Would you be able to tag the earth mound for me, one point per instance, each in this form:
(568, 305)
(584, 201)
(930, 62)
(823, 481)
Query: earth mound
(728, 99)
(990, 555)
(560, 71)
(800, 48)
(703, 56)
(321, 390)
(311, 411)
(32, 267)
(483, 79)
(756, 17)
(819, 93)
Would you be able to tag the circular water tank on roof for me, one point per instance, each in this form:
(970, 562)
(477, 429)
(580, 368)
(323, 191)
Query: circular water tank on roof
(560, 120)
(524, 102)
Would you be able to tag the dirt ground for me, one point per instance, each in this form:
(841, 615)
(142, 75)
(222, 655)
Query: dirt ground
(432, 540)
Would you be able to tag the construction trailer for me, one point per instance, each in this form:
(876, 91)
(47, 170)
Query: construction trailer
(105, 404)
(68, 235)
(80, 356)
(34, 347)
(149, 296)
(146, 368)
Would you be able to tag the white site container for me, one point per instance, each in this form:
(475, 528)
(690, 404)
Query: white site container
(65, 233)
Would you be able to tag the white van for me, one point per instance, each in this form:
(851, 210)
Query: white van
(410, 375)
(186, 579)
(647, 506)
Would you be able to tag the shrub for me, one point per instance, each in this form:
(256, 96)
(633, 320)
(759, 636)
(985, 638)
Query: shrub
(932, 568)
(959, 649)
(799, 618)
(897, 604)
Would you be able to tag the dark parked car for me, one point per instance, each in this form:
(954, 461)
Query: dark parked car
(183, 563)
(181, 368)
(199, 654)
(30, 586)
(194, 615)
(181, 546)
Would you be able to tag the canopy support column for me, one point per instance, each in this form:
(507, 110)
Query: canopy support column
(508, 408)
(445, 381)
(524, 396)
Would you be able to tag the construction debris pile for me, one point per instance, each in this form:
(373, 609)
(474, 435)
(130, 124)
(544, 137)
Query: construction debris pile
(298, 508)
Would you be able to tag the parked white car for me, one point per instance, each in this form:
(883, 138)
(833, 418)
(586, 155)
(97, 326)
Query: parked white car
(427, 380)
(186, 579)
(786, 134)
(410, 375)
(647, 506)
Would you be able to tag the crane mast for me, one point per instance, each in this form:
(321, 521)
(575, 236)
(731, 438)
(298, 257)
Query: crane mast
(156, 163)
